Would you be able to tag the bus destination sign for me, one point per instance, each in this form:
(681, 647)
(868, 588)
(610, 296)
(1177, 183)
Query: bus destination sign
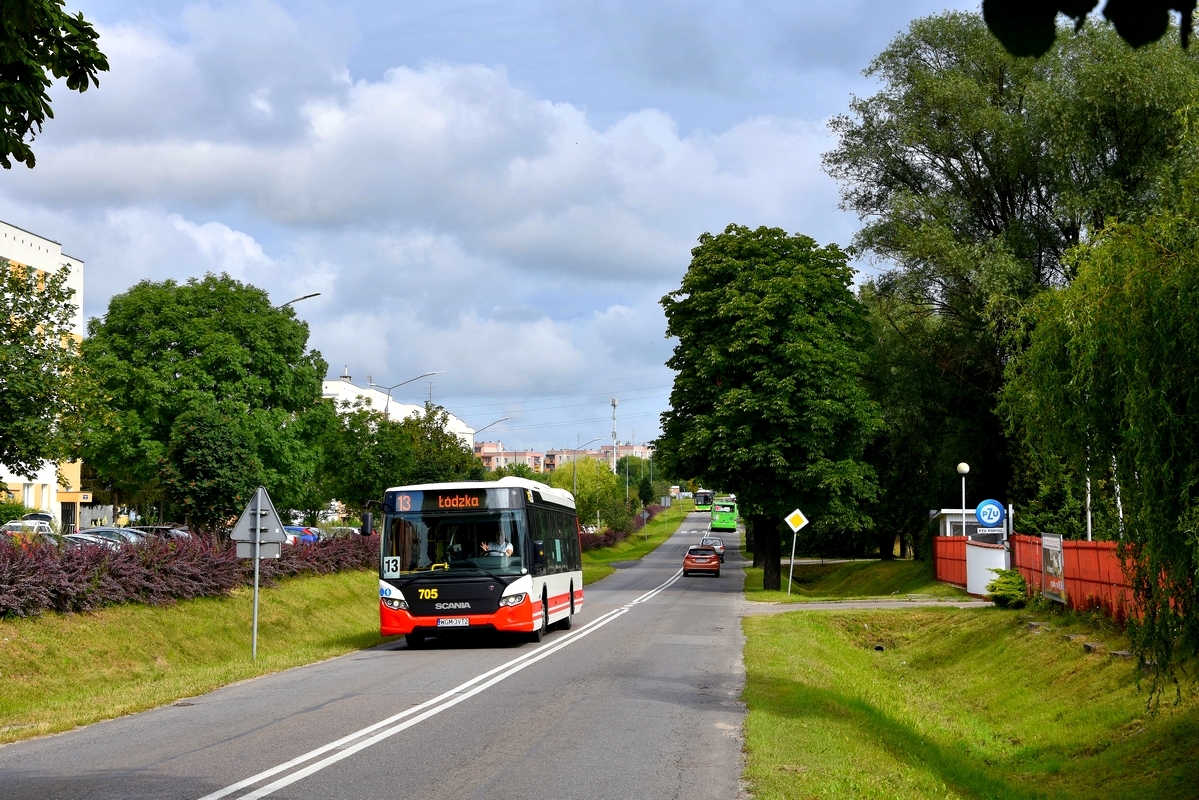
(451, 500)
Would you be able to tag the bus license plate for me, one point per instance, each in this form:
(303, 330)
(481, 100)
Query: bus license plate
(453, 622)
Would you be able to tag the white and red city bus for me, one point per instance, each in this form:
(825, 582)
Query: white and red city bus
(472, 556)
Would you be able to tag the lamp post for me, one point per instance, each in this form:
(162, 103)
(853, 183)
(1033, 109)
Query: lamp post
(963, 468)
(387, 406)
(298, 299)
(574, 463)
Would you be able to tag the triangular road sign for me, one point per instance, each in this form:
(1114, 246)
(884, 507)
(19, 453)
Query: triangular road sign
(796, 520)
(270, 527)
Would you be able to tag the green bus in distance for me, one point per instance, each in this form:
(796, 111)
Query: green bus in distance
(703, 499)
(724, 514)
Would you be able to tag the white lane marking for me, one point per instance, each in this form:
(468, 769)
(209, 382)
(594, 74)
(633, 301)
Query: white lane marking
(424, 710)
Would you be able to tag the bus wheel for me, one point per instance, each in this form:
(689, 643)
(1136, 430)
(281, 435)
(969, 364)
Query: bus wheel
(415, 641)
(539, 634)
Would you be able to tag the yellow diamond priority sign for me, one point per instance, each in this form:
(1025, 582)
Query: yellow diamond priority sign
(796, 520)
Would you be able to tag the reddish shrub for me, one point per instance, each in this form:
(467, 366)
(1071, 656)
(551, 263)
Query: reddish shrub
(36, 579)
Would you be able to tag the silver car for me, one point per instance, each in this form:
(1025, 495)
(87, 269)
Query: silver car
(717, 543)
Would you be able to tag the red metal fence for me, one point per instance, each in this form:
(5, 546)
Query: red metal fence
(949, 556)
(1094, 573)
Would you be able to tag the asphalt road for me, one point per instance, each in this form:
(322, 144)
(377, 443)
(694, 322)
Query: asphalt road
(638, 700)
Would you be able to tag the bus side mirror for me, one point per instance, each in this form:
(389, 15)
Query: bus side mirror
(538, 553)
(368, 524)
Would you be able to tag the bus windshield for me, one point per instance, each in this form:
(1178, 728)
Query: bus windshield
(473, 543)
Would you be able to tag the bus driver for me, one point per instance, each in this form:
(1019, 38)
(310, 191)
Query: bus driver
(500, 548)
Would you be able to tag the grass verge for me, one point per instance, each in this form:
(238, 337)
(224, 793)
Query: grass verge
(960, 703)
(853, 579)
(59, 671)
(597, 564)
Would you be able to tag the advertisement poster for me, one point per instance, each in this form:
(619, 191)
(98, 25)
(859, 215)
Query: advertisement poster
(1053, 572)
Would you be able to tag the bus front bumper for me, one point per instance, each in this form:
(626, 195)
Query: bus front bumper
(516, 619)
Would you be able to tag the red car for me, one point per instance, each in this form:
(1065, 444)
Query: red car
(701, 558)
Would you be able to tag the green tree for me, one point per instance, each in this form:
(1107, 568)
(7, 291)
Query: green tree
(1108, 389)
(645, 491)
(210, 469)
(164, 349)
(768, 401)
(43, 386)
(515, 470)
(1029, 27)
(439, 454)
(38, 39)
(365, 453)
(596, 485)
(974, 173)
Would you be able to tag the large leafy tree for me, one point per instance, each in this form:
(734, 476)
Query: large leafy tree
(974, 173)
(768, 400)
(1108, 389)
(165, 349)
(39, 40)
(42, 381)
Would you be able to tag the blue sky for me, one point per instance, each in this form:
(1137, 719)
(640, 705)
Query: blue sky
(499, 190)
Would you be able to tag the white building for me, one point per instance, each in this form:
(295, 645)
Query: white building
(344, 391)
(44, 492)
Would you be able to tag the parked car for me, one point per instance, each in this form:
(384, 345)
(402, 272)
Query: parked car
(118, 535)
(302, 535)
(340, 532)
(162, 531)
(701, 558)
(717, 544)
(29, 531)
(88, 540)
(40, 516)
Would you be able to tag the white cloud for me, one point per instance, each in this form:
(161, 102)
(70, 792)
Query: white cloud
(450, 218)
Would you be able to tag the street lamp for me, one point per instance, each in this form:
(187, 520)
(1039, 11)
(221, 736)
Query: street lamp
(386, 406)
(489, 424)
(574, 462)
(298, 299)
(963, 468)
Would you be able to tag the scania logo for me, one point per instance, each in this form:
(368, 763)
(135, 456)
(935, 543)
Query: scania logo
(450, 606)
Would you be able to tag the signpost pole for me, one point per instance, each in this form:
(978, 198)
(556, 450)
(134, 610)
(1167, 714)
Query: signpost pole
(257, 517)
(791, 573)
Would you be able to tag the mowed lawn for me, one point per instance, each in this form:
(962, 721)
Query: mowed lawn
(959, 703)
(59, 671)
(597, 564)
(853, 579)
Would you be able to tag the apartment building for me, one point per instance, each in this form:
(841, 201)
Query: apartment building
(44, 492)
(494, 455)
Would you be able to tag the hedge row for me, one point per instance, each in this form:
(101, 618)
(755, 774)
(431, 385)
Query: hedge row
(45, 578)
(594, 541)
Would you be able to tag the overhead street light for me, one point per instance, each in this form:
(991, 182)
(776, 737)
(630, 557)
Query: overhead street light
(298, 299)
(387, 405)
(489, 424)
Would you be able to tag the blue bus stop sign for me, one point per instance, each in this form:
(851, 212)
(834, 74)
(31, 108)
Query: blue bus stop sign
(989, 513)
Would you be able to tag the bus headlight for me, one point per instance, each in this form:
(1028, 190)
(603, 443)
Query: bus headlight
(512, 600)
(395, 603)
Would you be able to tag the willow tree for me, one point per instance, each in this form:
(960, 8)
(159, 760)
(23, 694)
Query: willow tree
(974, 173)
(1108, 388)
(768, 401)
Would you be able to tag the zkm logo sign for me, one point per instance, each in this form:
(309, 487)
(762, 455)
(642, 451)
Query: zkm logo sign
(458, 501)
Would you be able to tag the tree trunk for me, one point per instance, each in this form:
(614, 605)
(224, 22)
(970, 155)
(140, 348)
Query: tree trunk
(886, 545)
(767, 543)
